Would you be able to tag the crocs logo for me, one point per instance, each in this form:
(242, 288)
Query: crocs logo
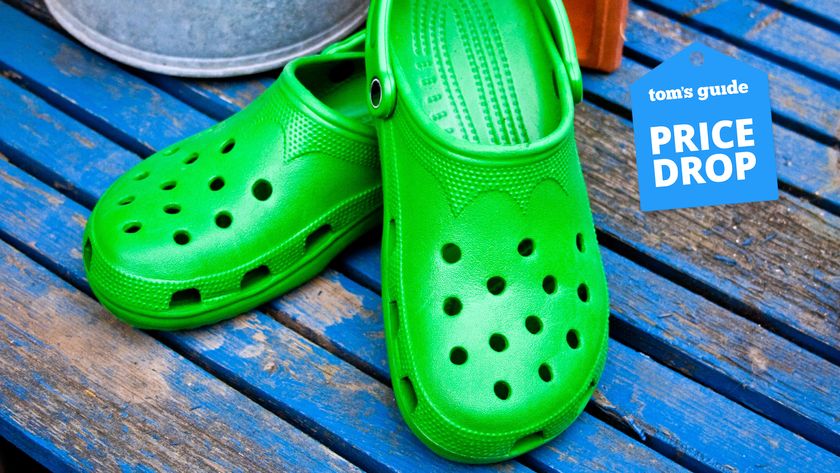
(703, 132)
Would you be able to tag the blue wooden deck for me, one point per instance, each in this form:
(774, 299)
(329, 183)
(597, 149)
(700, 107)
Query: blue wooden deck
(725, 350)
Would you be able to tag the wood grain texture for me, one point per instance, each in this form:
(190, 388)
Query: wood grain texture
(801, 162)
(788, 40)
(825, 13)
(316, 309)
(705, 342)
(91, 88)
(81, 164)
(251, 351)
(299, 394)
(797, 99)
(773, 261)
(810, 324)
(218, 98)
(297, 379)
(689, 419)
(83, 392)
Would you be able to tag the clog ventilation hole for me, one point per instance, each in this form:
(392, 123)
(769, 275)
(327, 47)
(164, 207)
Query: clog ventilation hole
(261, 190)
(498, 342)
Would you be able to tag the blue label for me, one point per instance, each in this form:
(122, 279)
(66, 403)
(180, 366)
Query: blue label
(704, 134)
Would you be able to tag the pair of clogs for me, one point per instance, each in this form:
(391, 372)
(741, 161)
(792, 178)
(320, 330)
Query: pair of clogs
(494, 295)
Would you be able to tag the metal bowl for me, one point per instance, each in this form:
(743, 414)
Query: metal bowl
(208, 38)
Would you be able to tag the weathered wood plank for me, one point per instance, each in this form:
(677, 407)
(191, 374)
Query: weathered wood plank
(92, 88)
(772, 261)
(798, 101)
(277, 366)
(375, 421)
(802, 163)
(339, 323)
(825, 13)
(247, 351)
(796, 408)
(688, 418)
(83, 392)
(809, 324)
(786, 39)
(28, 127)
(214, 97)
(702, 340)
(295, 378)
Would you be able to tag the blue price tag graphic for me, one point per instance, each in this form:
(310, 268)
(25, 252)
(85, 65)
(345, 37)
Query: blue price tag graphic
(703, 132)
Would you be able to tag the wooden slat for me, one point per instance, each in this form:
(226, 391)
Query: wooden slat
(789, 393)
(80, 391)
(803, 314)
(773, 261)
(252, 352)
(218, 98)
(28, 126)
(802, 163)
(794, 415)
(378, 424)
(353, 325)
(797, 99)
(271, 363)
(766, 30)
(825, 13)
(92, 88)
(702, 340)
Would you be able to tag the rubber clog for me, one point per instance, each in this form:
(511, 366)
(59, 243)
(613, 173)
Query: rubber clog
(494, 294)
(240, 213)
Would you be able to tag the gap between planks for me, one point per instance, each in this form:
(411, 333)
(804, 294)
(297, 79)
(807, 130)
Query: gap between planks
(778, 57)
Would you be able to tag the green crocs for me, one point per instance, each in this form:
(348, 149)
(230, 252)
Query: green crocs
(494, 293)
(240, 213)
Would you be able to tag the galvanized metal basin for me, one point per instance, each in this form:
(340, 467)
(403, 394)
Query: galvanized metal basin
(208, 38)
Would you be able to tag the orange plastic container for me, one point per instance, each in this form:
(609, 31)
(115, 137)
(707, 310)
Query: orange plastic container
(598, 26)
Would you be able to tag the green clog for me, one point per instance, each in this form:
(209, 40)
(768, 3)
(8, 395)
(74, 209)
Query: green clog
(240, 213)
(494, 293)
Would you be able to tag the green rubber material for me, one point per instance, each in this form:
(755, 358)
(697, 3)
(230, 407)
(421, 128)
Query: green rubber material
(246, 210)
(494, 294)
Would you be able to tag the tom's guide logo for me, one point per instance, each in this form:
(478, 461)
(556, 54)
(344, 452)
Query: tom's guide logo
(703, 132)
